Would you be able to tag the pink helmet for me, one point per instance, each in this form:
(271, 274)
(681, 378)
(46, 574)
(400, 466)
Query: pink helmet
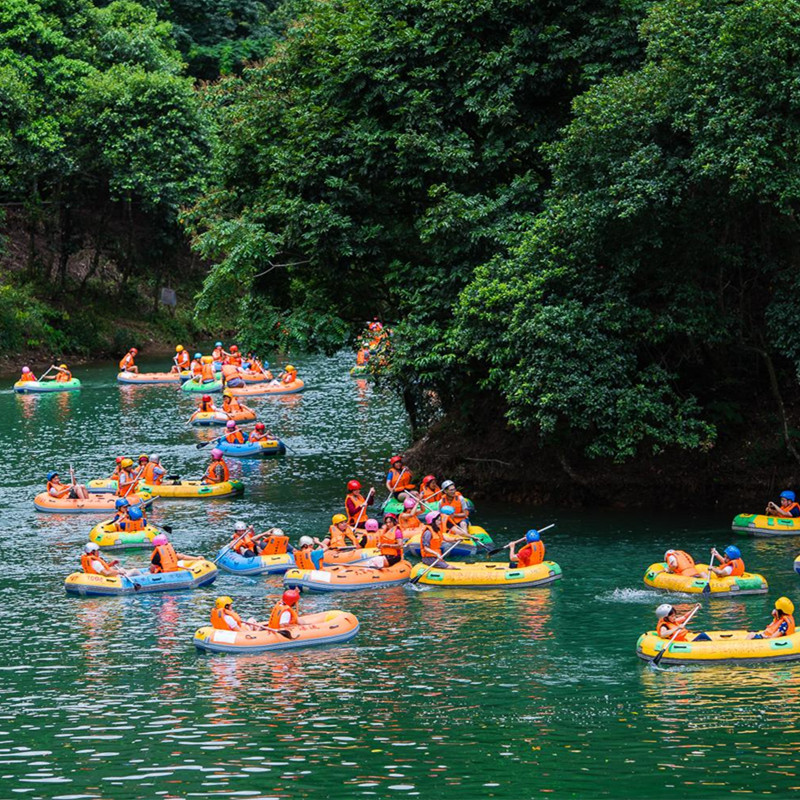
(160, 539)
(216, 454)
(26, 370)
(431, 517)
(230, 425)
(371, 525)
(409, 503)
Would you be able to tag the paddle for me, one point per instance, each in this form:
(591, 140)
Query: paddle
(46, 373)
(655, 662)
(391, 491)
(415, 580)
(364, 507)
(707, 587)
(229, 547)
(465, 533)
(506, 546)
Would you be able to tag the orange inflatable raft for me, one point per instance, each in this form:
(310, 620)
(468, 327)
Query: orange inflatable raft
(94, 504)
(269, 388)
(348, 578)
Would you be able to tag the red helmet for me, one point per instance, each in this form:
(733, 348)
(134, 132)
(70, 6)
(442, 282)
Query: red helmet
(353, 486)
(206, 398)
(395, 459)
(234, 348)
(428, 479)
(134, 351)
(119, 459)
(291, 596)
(260, 426)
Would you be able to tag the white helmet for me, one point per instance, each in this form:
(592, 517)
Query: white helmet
(240, 526)
(306, 540)
(91, 547)
(667, 554)
(446, 485)
(278, 532)
(664, 610)
(155, 459)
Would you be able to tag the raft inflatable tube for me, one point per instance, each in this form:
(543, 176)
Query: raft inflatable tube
(94, 504)
(148, 377)
(254, 377)
(327, 627)
(730, 647)
(106, 535)
(349, 555)
(220, 418)
(267, 388)
(347, 578)
(237, 564)
(466, 548)
(202, 388)
(489, 575)
(395, 506)
(763, 525)
(45, 387)
(266, 447)
(172, 489)
(195, 573)
(657, 577)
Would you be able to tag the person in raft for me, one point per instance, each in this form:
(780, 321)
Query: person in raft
(355, 504)
(181, 359)
(233, 435)
(530, 554)
(284, 612)
(27, 375)
(249, 544)
(206, 403)
(670, 623)
(289, 375)
(306, 555)
(127, 362)
(196, 366)
(788, 507)
(453, 498)
(430, 544)
(340, 534)
(231, 376)
(782, 621)
(730, 562)
(217, 471)
(93, 563)
(74, 491)
(164, 558)
(224, 618)
(153, 473)
(681, 563)
(218, 353)
(261, 434)
(127, 477)
(127, 518)
(231, 404)
(63, 375)
(398, 478)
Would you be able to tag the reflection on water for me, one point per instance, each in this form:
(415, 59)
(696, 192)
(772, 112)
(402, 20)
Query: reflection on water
(460, 694)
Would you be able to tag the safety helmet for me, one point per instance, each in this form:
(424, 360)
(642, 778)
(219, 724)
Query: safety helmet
(118, 459)
(732, 552)
(337, 518)
(26, 370)
(134, 351)
(230, 424)
(306, 541)
(227, 393)
(240, 526)
(790, 496)
(221, 602)
(395, 459)
(353, 486)
(178, 348)
(785, 604)
(447, 510)
(431, 517)
(668, 554)
(290, 368)
(62, 366)
(160, 539)
(198, 355)
(91, 547)
(136, 514)
(371, 525)
(387, 517)
(260, 426)
(446, 485)
(291, 596)
(409, 503)
(664, 610)
(532, 536)
(154, 459)
(126, 462)
(143, 457)
(207, 359)
(217, 344)
(216, 454)
(234, 348)
(51, 475)
(121, 503)
(206, 398)
(428, 479)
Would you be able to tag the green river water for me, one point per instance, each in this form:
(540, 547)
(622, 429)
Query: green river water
(445, 694)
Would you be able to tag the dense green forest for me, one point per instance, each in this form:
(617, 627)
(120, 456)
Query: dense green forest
(578, 218)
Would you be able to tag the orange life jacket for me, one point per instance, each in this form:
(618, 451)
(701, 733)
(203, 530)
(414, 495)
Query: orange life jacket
(207, 405)
(340, 538)
(219, 622)
(27, 376)
(86, 564)
(399, 481)
(245, 543)
(211, 473)
(125, 362)
(353, 504)
(131, 524)
(182, 359)
(277, 613)
(302, 558)
(408, 520)
(196, 367)
(255, 436)
(532, 553)
(685, 563)
(235, 360)
(124, 480)
(149, 473)
(430, 492)
(388, 543)
(229, 371)
(235, 437)
(665, 630)
(290, 377)
(207, 372)
(437, 537)
(788, 509)
(772, 628)
(63, 376)
(57, 489)
(457, 504)
(216, 354)
(230, 405)
(736, 563)
(169, 558)
(274, 545)
(361, 357)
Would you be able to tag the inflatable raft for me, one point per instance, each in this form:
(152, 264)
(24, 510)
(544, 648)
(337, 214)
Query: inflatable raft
(106, 535)
(269, 388)
(489, 575)
(94, 504)
(149, 377)
(194, 574)
(266, 447)
(233, 562)
(327, 627)
(43, 387)
(202, 388)
(762, 525)
(658, 578)
(349, 555)
(171, 489)
(348, 578)
(724, 647)
(221, 417)
(254, 377)
(395, 506)
(466, 548)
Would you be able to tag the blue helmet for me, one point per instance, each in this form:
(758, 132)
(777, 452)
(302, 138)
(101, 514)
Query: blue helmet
(198, 355)
(121, 503)
(532, 536)
(790, 496)
(51, 475)
(217, 344)
(135, 513)
(732, 552)
(447, 510)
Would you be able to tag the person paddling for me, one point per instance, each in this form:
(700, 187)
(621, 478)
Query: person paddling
(307, 555)
(529, 555)
(340, 534)
(93, 563)
(355, 504)
(782, 621)
(670, 623)
(153, 473)
(430, 545)
(398, 478)
(164, 558)
(260, 433)
(224, 618)
(284, 612)
(730, 562)
(788, 507)
(233, 435)
(181, 359)
(64, 375)
(217, 471)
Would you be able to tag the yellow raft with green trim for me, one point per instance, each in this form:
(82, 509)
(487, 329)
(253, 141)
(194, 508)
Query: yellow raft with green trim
(173, 489)
(724, 647)
(488, 575)
(107, 536)
(657, 577)
(765, 525)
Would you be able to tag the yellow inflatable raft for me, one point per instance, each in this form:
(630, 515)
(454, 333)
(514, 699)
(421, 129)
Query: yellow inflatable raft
(171, 489)
(763, 525)
(724, 647)
(750, 583)
(488, 575)
(109, 537)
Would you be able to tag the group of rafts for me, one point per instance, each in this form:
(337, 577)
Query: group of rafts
(673, 642)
